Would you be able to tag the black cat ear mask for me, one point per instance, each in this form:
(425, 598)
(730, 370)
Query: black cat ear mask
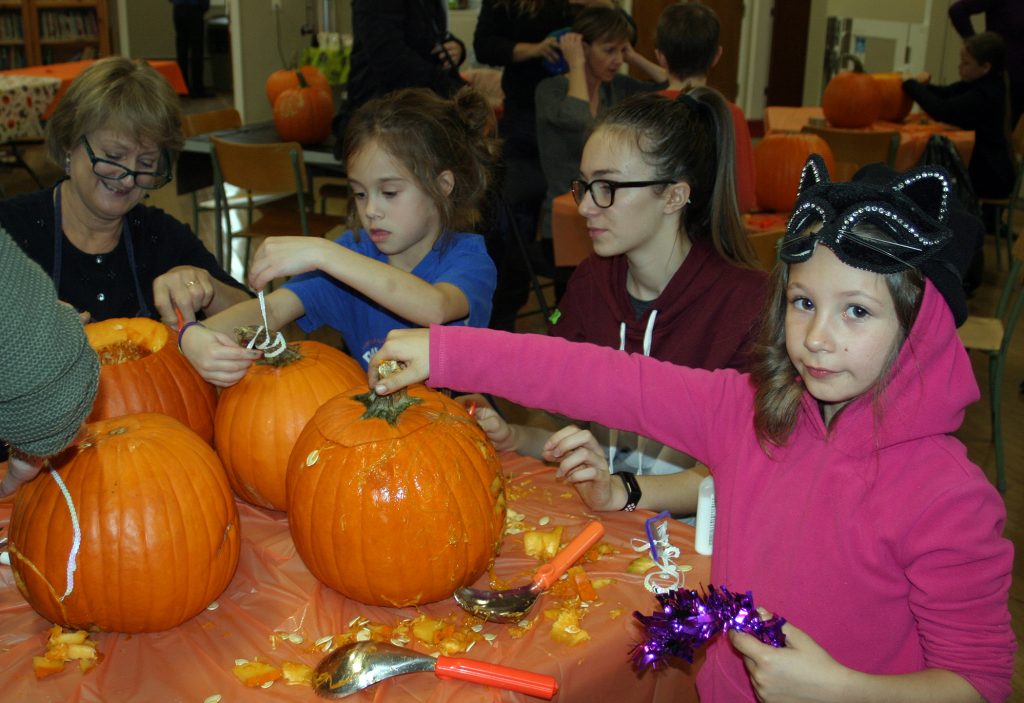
(910, 213)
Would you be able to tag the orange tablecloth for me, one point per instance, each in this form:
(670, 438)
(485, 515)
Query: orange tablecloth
(914, 131)
(23, 99)
(67, 72)
(273, 591)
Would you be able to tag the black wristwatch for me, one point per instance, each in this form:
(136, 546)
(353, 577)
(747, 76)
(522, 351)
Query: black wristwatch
(633, 492)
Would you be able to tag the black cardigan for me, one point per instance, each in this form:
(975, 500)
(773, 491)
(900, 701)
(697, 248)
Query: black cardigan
(103, 284)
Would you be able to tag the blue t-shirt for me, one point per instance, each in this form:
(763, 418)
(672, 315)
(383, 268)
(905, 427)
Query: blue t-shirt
(460, 259)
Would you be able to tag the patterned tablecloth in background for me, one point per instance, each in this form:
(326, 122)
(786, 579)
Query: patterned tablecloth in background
(23, 101)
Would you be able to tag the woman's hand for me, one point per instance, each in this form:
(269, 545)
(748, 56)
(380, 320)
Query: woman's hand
(571, 44)
(454, 51)
(502, 435)
(800, 671)
(287, 256)
(20, 469)
(581, 462)
(216, 356)
(546, 50)
(411, 349)
(185, 288)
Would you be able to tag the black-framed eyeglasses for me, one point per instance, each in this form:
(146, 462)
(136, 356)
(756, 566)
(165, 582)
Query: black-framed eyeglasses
(603, 192)
(113, 171)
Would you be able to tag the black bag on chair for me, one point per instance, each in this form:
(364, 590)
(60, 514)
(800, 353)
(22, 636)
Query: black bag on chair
(940, 151)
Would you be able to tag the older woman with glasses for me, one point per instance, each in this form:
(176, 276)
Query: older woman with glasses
(117, 132)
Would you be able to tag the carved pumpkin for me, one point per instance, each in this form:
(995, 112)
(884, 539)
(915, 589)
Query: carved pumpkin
(285, 79)
(851, 98)
(259, 417)
(778, 160)
(303, 114)
(159, 533)
(143, 371)
(395, 501)
(895, 104)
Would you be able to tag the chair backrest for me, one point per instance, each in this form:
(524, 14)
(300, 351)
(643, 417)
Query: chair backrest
(212, 121)
(261, 168)
(1011, 301)
(765, 244)
(853, 148)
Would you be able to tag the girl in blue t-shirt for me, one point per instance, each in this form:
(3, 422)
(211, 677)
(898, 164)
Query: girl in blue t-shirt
(418, 166)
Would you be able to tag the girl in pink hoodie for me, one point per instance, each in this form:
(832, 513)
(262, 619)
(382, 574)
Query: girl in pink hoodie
(844, 503)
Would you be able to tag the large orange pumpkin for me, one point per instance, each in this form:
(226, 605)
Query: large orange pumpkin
(851, 99)
(895, 104)
(778, 160)
(143, 371)
(395, 501)
(159, 533)
(259, 417)
(285, 79)
(303, 114)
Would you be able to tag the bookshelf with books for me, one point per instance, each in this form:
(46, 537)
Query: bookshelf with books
(13, 52)
(36, 32)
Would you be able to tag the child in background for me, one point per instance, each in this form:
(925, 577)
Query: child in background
(977, 101)
(687, 48)
(845, 505)
(672, 273)
(418, 166)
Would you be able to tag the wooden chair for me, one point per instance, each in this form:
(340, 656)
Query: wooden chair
(276, 170)
(853, 148)
(1004, 207)
(204, 123)
(992, 335)
(765, 246)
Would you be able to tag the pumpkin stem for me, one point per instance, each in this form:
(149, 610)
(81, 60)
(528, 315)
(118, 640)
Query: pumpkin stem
(386, 407)
(858, 65)
(289, 356)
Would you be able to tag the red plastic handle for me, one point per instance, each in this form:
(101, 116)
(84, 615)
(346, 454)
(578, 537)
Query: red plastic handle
(553, 570)
(536, 685)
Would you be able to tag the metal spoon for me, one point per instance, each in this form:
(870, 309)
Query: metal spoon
(511, 605)
(353, 667)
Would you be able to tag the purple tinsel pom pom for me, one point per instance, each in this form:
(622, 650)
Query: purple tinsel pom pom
(688, 620)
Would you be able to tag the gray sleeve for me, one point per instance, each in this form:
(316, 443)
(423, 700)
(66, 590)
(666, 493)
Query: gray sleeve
(50, 373)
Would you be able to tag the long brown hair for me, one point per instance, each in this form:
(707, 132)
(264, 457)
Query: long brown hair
(691, 139)
(428, 134)
(778, 387)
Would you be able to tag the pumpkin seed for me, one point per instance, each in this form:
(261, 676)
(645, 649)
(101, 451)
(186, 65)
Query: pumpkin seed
(470, 645)
(477, 628)
(267, 684)
(241, 662)
(685, 567)
(313, 457)
(294, 638)
(363, 635)
(325, 642)
(213, 606)
(490, 636)
(543, 521)
(354, 620)
(523, 624)
(215, 698)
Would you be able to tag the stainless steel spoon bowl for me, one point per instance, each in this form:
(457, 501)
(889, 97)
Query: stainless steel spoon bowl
(353, 667)
(513, 604)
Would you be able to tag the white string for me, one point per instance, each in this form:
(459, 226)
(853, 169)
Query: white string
(269, 347)
(76, 543)
(669, 576)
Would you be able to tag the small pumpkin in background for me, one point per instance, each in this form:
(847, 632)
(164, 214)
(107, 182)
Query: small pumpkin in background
(158, 529)
(259, 418)
(303, 114)
(395, 500)
(141, 370)
(895, 104)
(778, 161)
(852, 98)
(288, 78)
